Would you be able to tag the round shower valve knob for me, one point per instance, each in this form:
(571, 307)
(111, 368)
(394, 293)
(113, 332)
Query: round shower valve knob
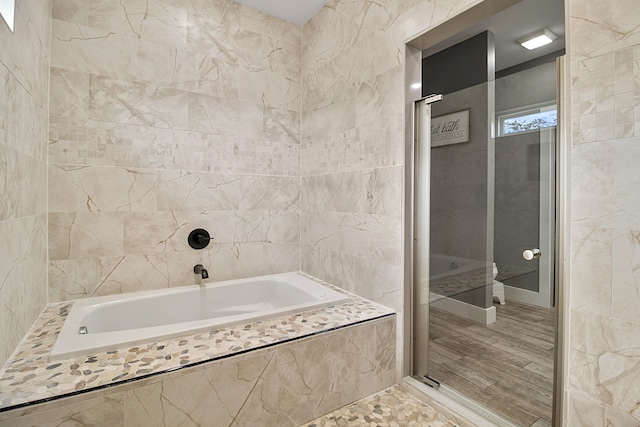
(531, 254)
(199, 238)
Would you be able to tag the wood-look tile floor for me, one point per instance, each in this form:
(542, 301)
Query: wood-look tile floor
(506, 366)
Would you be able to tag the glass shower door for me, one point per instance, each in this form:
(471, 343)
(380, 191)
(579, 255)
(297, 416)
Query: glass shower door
(484, 322)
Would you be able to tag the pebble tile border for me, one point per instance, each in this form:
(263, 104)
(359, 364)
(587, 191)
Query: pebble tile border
(392, 407)
(29, 378)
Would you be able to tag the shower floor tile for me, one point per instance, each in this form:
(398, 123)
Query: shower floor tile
(392, 407)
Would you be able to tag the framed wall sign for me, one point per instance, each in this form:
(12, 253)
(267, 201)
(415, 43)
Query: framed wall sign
(450, 129)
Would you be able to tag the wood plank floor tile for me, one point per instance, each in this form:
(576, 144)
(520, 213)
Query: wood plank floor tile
(506, 366)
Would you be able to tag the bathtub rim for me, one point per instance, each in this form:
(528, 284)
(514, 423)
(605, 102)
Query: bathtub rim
(93, 343)
(357, 311)
(100, 387)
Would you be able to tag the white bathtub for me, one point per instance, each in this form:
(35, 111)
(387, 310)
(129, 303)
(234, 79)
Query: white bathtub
(117, 321)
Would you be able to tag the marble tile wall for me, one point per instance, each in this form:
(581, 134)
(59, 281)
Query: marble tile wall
(603, 376)
(282, 386)
(349, 126)
(132, 130)
(167, 116)
(352, 141)
(24, 69)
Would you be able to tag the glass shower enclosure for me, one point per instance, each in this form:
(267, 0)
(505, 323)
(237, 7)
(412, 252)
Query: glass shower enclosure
(483, 255)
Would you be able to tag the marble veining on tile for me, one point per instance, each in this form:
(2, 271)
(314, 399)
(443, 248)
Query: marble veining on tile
(29, 376)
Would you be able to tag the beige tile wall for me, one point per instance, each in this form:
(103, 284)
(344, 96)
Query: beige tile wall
(168, 116)
(132, 102)
(348, 48)
(285, 385)
(24, 88)
(603, 377)
(352, 146)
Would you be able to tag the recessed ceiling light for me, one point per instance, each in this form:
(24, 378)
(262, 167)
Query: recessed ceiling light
(537, 39)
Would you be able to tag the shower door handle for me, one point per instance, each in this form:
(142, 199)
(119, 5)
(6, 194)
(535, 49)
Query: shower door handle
(531, 254)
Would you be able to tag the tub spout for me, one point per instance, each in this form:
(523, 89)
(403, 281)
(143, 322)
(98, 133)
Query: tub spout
(199, 269)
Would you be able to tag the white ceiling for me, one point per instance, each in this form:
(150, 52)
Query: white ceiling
(296, 11)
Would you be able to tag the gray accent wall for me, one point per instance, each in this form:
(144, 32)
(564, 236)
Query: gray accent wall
(462, 174)
(517, 190)
(460, 198)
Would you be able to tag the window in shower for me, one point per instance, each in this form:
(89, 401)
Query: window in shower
(527, 119)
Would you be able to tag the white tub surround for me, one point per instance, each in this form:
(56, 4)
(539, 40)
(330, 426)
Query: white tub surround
(284, 385)
(112, 322)
(30, 377)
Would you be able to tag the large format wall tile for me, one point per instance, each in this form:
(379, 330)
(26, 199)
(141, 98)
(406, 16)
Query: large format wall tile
(318, 374)
(251, 243)
(604, 179)
(22, 278)
(269, 193)
(625, 292)
(165, 117)
(88, 277)
(283, 386)
(69, 93)
(597, 29)
(352, 142)
(179, 190)
(352, 121)
(106, 53)
(154, 20)
(604, 341)
(137, 103)
(592, 270)
(231, 393)
(22, 184)
(604, 360)
(85, 235)
(199, 73)
(99, 189)
(362, 235)
(107, 409)
(24, 93)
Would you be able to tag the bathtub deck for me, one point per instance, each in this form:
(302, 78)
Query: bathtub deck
(28, 377)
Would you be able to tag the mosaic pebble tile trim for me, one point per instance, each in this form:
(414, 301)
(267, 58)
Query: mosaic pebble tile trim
(28, 377)
(392, 407)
